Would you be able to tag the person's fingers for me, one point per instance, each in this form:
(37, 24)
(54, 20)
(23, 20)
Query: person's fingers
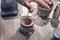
(42, 3)
(47, 1)
(32, 9)
(29, 1)
(29, 6)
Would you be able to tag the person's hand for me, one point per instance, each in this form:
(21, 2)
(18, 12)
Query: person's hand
(40, 2)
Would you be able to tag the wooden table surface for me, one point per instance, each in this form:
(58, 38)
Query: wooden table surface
(9, 28)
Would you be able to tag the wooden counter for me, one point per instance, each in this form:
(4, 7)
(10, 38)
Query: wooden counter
(9, 28)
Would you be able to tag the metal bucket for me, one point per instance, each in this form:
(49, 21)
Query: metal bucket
(26, 29)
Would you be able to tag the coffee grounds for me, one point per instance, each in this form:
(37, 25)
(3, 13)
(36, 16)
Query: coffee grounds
(27, 21)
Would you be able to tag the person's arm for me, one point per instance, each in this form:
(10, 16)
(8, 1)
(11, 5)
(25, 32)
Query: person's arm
(27, 4)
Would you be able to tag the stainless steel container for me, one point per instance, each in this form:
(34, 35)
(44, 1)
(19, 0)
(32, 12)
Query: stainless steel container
(55, 17)
(57, 11)
(26, 30)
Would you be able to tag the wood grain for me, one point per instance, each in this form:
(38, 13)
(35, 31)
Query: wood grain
(9, 29)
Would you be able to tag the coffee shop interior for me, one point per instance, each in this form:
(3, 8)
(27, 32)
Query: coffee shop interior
(18, 23)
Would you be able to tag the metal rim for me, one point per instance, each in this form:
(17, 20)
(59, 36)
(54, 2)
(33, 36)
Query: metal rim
(25, 17)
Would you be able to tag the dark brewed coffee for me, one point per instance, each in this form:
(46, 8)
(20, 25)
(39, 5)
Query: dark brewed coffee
(27, 21)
